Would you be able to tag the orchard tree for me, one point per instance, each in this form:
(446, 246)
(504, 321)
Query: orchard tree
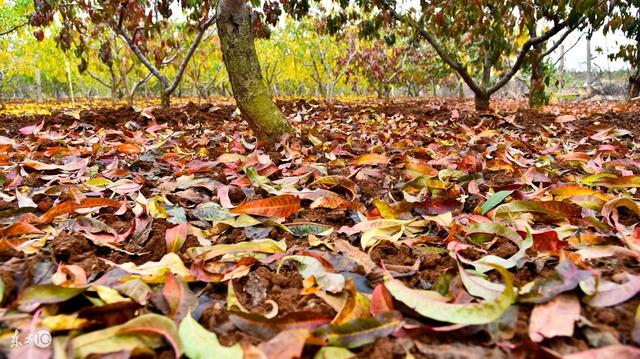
(144, 25)
(488, 30)
(206, 72)
(423, 69)
(472, 37)
(327, 57)
(380, 65)
(115, 69)
(138, 23)
(625, 17)
(14, 15)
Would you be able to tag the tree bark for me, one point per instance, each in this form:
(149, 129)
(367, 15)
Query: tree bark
(589, 88)
(249, 90)
(536, 86)
(165, 99)
(482, 101)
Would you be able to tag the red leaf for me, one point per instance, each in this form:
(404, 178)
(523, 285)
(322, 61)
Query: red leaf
(129, 148)
(381, 300)
(70, 207)
(279, 206)
(19, 228)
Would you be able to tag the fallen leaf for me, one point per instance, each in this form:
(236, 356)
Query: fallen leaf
(425, 304)
(279, 206)
(199, 343)
(556, 317)
(359, 332)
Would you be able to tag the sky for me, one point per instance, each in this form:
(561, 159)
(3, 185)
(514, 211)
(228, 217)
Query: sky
(575, 59)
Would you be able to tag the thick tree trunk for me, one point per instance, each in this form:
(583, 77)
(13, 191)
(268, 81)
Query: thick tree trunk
(239, 54)
(482, 102)
(536, 87)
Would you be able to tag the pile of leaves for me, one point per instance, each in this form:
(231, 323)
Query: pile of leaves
(415, 229)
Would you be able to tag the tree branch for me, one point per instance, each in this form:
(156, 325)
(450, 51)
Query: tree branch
(194, 45)
(523, 54)
(145, 61)
(561, 39)
(459, 68)
(7, 32)
(431, 39)
(135, 87)
(99, 79)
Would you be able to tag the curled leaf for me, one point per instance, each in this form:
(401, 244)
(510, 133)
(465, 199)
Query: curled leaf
(423, 302)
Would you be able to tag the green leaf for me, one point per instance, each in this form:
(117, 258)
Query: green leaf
(478, 286)
(154, 324)
(113, 339)
(359, 332)
(334, 353)
(33, 296)
(422, 301)
(494, 200)
(199, 343)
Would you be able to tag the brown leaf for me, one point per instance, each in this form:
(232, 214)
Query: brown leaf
(287, 344)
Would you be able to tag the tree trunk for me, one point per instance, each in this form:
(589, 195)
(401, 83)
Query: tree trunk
(536, 87)
(114, 86)
(239, 54)
(589, 88)
(165, 99)
(38, 85)
(73, 100)
(482, 102)
(633, 90)
(2, 74)
(561, 66)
